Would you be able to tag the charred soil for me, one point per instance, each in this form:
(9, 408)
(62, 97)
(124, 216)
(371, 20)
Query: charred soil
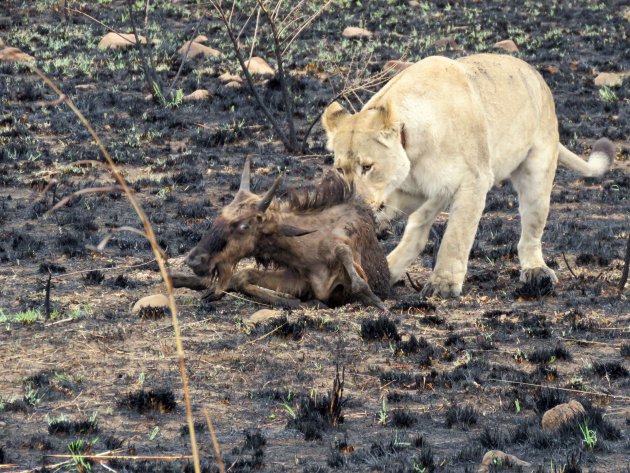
(430, 386)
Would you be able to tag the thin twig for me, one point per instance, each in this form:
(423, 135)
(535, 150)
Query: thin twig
(149, 76)
(251, 342)
(88, 190)
(124, 457)
(99, 22)
(286, 96)
(215, 444)
(564, 257)
(47, 297)
(578, 391)
(181, 66)
(626, 268)
(250, 81)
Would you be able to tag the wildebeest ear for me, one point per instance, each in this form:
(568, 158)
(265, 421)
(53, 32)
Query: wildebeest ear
(291, 231)
(332, 116)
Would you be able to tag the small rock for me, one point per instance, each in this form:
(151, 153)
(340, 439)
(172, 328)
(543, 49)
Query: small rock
(507, 45)
(85, 86)
(445, 42)
(257, 65)
(264, 315)
(178, 146)
(497, 457)
(396, 65)
(119, 40)
(352, 32)
(156, 300)
(198, 49)
(610, 79)
(14, 55)
(233, 85)
(626, 14)
(199, 94)
(561, 414)
(227, 77)
(202, 38)
(413, 3)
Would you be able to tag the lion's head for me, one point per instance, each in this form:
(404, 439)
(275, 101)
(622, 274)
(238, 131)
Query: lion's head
(369, 150)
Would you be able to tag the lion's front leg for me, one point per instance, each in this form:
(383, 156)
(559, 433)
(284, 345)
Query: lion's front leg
(448, 275)
(415, 237)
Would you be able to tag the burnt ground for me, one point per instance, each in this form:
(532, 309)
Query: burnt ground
(430, 388)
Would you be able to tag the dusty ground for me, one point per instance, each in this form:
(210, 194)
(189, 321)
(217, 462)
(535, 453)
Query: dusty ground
(475, 378)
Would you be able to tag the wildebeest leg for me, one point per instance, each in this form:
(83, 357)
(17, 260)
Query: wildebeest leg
(360, 288)
(195, 283)
(272, 287)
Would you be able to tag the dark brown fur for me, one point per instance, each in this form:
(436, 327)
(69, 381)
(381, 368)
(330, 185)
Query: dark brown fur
(320, 238)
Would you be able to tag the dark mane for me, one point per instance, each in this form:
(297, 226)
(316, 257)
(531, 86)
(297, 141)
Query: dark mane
(332, 190)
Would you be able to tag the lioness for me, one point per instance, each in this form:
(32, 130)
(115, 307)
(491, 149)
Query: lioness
(441, 133)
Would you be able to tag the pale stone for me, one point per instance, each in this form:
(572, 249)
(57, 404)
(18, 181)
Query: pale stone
(178, 146)
(14, 55)
(197, 49)
(610, 79)
(264, 315)
(562, 414)
(227, 77)
(507, 45)
(413, 3)
(155, 300)
(202, 38)
(120, 40)
(85, 86)
(626, 14)
(200, 94)
(497, 457)
(353, 32)
(233, 85)
(257, 65)
(397, 65)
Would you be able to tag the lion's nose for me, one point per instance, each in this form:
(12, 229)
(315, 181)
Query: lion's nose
(382, 206)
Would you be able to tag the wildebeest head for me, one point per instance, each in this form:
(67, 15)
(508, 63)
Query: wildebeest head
(236, 232)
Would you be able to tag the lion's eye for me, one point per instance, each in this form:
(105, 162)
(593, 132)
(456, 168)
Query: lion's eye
(366, 168)
(243, 226)
(340, 170)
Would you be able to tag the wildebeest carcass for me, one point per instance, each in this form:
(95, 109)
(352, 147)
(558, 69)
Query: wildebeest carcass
(316, 243)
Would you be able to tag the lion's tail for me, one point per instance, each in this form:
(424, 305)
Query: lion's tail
(598, 162)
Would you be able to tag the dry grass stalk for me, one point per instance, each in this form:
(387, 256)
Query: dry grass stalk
(215, 443)
(157, 251)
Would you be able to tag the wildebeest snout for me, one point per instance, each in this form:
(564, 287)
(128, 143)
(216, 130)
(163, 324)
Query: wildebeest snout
(199, 262)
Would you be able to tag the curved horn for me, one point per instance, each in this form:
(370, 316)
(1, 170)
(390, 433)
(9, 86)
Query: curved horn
(268, 197)
(245, 177)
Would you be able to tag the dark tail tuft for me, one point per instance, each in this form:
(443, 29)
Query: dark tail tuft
(604, 145)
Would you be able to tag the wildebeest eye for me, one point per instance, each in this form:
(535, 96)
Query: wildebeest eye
(366, 168)
(243, 226)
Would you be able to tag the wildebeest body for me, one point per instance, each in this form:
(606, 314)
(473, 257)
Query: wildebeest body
(318, 242)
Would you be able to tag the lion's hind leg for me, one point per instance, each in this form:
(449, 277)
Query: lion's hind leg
(533, 180)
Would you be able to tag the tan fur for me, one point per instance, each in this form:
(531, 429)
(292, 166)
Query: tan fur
(440, 134)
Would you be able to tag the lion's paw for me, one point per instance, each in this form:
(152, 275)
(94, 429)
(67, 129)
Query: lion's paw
(537, 282)
(441, 287)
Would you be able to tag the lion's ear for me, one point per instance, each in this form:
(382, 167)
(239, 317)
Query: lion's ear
(332, 117)
(386, 117)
